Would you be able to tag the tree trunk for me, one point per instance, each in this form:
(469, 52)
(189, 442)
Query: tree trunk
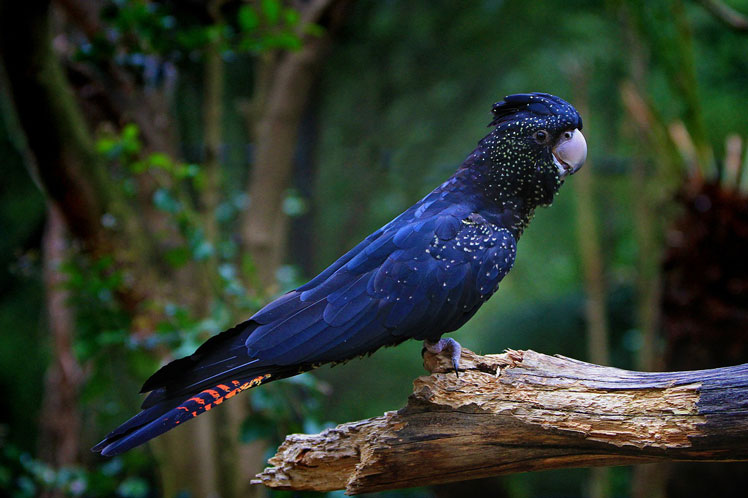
(65, 163)
(60, 424)
(283, 86)
(523, 411)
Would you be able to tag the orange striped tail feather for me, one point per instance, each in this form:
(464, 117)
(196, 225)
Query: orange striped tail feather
(169, 413)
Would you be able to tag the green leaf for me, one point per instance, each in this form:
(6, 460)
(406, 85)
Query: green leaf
(291, 16)
(130, 141)
(192, 38)
(249, 270)
(248, 18)
(105, 145)
(272, 10)
(160, 160)
(214, 33)
(187, 171)
(111, 337)
(138, 167)
(314, 30)
(177, 257)
(287, 41)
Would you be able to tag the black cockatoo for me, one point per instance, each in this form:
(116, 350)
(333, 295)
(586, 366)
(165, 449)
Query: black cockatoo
(420, 276)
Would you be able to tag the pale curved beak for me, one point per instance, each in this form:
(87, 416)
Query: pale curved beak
(570, 153)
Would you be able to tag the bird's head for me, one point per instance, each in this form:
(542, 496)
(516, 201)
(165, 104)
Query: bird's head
(536, 143)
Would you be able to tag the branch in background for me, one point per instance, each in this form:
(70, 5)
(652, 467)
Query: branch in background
(731, 17)
(733, 163)
(684, 143)
(741, 183)
(523, 411)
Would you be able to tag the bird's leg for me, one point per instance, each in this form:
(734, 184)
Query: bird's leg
(446, 344)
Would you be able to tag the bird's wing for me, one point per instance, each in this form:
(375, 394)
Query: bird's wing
(420, 276)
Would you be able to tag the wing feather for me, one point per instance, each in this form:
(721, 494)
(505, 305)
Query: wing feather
(266, 336)
(356, 287)
(320, 349)
(343, 312)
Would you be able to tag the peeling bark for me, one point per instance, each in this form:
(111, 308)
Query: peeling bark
(523, 411)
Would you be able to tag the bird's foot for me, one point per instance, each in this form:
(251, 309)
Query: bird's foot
(446, 345)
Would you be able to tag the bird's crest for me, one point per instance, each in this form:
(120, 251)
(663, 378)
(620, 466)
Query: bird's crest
(522, 105)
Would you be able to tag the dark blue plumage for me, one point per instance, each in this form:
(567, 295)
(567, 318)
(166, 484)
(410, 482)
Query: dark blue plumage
(420, 276)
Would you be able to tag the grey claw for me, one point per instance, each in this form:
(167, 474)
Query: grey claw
(450, 344)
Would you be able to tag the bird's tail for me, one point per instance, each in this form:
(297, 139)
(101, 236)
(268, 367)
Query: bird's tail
(169, 413)
(185, 388)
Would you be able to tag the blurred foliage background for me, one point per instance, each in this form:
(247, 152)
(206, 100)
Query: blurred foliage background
(170, 166)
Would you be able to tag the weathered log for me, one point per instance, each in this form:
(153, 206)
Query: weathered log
(522, 411)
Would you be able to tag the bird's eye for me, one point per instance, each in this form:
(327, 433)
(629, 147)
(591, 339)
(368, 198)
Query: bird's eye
(541, 136)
